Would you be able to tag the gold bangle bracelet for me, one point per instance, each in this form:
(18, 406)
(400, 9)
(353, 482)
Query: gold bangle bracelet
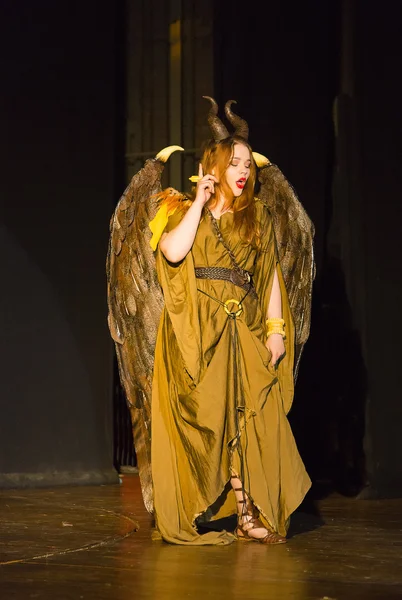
(275, 325)
(282, 333)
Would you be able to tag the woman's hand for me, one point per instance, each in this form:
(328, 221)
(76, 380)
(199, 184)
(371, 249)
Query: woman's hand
(205, 187)
(276, 346)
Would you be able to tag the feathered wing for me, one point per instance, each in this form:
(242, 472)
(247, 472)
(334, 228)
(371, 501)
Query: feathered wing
(294, 234)
(135, 303)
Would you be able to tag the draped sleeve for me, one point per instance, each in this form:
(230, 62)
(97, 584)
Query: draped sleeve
(265, 264)
(180, 294)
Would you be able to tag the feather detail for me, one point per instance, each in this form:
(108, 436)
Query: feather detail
(135, 303)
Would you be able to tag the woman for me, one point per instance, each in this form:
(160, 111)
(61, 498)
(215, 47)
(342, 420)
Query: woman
(223, 374)
(214, 283)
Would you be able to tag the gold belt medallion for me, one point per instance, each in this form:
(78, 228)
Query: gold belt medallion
(229, 311)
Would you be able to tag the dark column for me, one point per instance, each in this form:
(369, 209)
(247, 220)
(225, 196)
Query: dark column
(379, 100)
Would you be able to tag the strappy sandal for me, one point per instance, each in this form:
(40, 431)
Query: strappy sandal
(242, 529)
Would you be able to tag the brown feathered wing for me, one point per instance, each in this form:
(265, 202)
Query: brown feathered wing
(294, 234)
(135, 303)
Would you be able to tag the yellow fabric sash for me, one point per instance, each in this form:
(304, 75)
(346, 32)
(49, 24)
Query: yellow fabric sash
(158, 224)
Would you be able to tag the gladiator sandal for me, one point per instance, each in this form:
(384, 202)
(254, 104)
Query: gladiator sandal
(253, 522)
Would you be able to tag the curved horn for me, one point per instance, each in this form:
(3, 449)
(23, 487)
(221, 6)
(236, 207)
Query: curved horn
(237, 122)
(218, 129)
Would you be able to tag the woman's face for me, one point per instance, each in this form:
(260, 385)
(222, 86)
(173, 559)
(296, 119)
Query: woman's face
(238, 170)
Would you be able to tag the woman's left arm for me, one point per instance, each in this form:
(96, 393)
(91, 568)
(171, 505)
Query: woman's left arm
(275, 342)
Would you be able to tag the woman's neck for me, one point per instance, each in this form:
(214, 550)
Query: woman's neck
(218, 207)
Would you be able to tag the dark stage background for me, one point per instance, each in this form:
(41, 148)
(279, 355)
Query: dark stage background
(58, 157)
(319, 83)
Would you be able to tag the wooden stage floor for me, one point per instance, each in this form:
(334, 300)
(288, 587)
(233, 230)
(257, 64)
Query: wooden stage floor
(95, 543)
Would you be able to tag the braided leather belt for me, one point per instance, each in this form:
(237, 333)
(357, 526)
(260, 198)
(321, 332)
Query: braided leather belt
(242, 280)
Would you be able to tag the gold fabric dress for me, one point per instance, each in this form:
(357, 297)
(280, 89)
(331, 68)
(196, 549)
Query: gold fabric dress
(218, 407)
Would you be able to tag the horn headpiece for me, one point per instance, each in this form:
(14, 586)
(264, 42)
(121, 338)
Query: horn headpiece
(237, 122)
(218, 129)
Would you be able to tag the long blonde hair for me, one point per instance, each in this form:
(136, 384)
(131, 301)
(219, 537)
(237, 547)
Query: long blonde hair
(217, 157)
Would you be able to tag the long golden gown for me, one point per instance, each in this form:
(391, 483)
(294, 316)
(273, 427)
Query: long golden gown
(218, 407)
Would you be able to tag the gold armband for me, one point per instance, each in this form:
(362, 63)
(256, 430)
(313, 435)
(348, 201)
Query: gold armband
(275, 325)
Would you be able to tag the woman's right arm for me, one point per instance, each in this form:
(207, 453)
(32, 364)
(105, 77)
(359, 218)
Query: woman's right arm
(176, 244)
